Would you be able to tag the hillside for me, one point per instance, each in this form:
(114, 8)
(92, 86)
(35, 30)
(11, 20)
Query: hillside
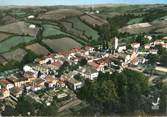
(42, 30)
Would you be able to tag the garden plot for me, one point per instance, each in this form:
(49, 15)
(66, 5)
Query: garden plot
(16, 55)
(60, 14)
(4, 36)
(20, 28)
(37, 49)
(52, 30)
(62, 44)
(86, 30)
(14, 41)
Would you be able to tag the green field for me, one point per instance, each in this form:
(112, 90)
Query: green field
(14, 41)
(88, 31)
(52, 30)
(135, 21)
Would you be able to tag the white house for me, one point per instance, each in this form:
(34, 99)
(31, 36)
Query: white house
(135, 45)
(32, 26)
(31, 17)
(74, 84)
(89, 73)
(148, 37)
(121, 48)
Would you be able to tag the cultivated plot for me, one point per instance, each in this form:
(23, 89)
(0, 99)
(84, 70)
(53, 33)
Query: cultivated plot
(62, 44)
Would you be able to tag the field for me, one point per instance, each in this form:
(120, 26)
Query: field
(3, 36)
(2, 60)
(135, 21)
(154, 26)
(70, 29)
(19, 28)
(137, 28)
(52, 30)
(91, 20)
(8, 20)
(37, 49)
(88, 31)
(14, 41)
(16, 55)
(60, 14)
(61, 44)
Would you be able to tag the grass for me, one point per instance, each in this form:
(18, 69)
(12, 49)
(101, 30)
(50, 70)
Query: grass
(14, 41)
(88, 31)
(52, 30)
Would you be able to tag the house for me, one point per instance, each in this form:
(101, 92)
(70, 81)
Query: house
(89, 49)
(38, 84)
(158, 42)
(125, 58)
(164, 45)
(6, 84)
(61, 84)
(147, 46)
(16, 92)
(4, 93)
(121, 47)
(40, 68)
(18, 82)
(74, 84)
(89, 72)
(51, 81)
(148, 37)
(153, 51)
(135, 45)
(31, 17)
(27, 68)
(32, 26)
(30, 76)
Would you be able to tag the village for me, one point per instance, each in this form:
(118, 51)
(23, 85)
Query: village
(60, 75)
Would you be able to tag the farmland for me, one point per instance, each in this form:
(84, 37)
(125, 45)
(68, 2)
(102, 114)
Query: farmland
(37, 49)
(14, 41)
(20, 28)
(61, 44)
(135, 21)
(52, 30)
(3, 36)
(137, 28)
(60, 14)
(69, 28)
(88, 31)
(16, 55)
(91, 21)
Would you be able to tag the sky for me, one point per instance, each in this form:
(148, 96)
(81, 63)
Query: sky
(77, 2)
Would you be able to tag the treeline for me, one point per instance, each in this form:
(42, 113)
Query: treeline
(26, 106)
(117, 93)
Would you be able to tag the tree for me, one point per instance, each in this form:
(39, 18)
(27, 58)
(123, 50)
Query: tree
(152, 59)
(29, 57)
(140, 39)
(105, 35)
(119, 92)
(163, 59)
(63, 68)
(83, 62)
(161, 50)
(50, 110)
(26, 104)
